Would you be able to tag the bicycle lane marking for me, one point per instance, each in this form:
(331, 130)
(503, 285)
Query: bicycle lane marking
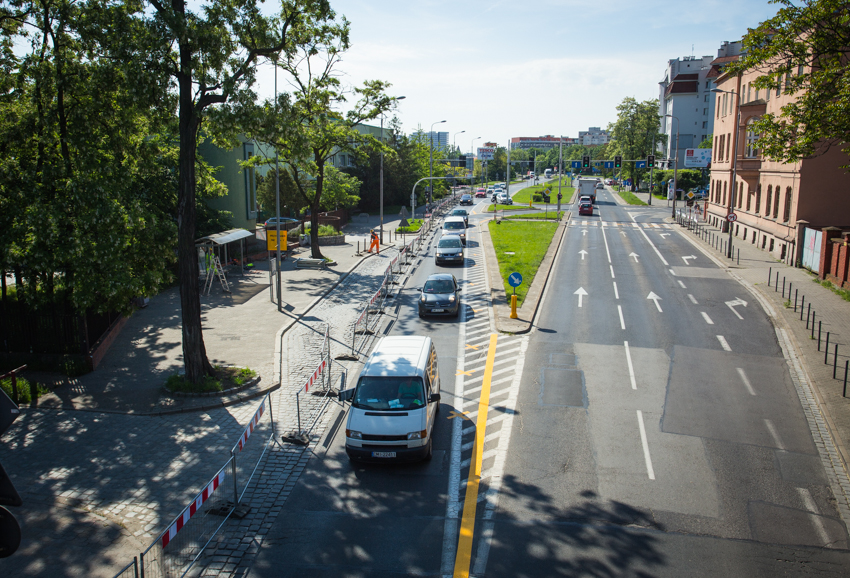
(470, 503)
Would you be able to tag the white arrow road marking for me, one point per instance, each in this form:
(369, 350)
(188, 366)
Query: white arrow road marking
(746, 380)
(723, 343)
(582, 253)
(685, 259)
(664, 235)
(584, 232)
(707, 318)
(581, 293)
(732, 305)
(623, 233)
(635, 255)
(655, 298)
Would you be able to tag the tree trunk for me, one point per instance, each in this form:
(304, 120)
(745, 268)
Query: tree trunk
(195, 359)
(315, 250)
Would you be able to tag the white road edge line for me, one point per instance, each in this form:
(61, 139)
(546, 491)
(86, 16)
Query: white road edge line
(616, 292)
(649, 470)
(746, 380)
(622, 323)
(631, 367)
(651, 244)
(605, 238)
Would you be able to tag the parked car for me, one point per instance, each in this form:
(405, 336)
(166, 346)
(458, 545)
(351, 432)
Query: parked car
(461, 213)
(466, 199)
(440, 296)
(449, 250)
(455, 226)
(283, 221)
(481, 192)
(585, 208)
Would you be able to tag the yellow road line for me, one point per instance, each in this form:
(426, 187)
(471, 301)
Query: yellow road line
(463, 557)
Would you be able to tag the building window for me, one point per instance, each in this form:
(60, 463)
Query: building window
(706, 98)
(749, 199)
(767, 200)
(724, 193)
(748, 92)
(728, 145)
(786, 214)
(722, 146)
(741, 195)
(800, 70)
(776, 204)
(717, 107)
(705, 112)
(752, 137)
(707, 84)
(758, 198)
(757, 94)
(715, 154)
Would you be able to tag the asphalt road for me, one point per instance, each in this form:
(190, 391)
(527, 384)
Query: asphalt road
(661, 432)
(648, 426)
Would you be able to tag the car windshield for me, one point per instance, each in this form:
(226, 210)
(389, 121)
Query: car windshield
(389, 393)
(452, 242)
(454, 225)
(438, 286)
(466, 197)
(459, 212)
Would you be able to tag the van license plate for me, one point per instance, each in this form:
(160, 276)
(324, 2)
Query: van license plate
(437, 310)
(383, 454)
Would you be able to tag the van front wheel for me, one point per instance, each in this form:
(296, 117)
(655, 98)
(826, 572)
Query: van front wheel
(430, 453)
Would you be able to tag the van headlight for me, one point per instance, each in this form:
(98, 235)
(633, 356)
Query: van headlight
(417, 435)
(355, 435)
(451, 298)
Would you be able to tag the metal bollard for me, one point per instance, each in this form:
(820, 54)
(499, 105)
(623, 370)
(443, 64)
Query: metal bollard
(776, 285)
(803, 306)
(783, 287)
(739, 256)
(834, 361)
(814, 315)
(846, 363)
(769, 274)
(795, 300)
(825, 349)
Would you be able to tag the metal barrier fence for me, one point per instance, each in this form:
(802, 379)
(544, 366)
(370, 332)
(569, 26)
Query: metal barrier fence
(323, 372)
(173, 553)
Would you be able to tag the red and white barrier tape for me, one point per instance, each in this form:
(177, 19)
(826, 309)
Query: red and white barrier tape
(187, 514)
(315, 375)
(254, 421)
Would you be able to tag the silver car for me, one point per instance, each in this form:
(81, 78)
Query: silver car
(449, 250)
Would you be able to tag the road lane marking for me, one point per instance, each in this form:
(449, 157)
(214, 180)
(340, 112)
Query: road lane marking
(605, 238)
(693, 299)
(612, 271)
(631, 367)
(673, 273)
(655, 298)
(616, 293)
(774, 434)
(651, 244)
(643, 441)
(681, 283)
(746, 380)
(812, 507)
(467, 523)
(706, 317)
(468, 346)
(723, 343)
(622, 323)
(581, 293)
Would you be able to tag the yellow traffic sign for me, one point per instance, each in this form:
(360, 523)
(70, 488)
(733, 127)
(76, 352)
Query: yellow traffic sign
(271, 240)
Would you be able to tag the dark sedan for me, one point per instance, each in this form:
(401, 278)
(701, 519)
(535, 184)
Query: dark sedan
(440, 296)
(449, 250)
(461, 213)
(466, 200)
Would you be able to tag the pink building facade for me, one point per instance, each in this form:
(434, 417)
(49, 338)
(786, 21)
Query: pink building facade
(774, 202)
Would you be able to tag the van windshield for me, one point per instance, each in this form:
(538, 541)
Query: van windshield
(454, 225)
(389, 393)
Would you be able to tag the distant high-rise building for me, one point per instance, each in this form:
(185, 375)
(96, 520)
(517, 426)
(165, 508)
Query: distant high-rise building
(593, 136)
(441, 139)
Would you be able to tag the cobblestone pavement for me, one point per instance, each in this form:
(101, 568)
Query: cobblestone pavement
(234, 550)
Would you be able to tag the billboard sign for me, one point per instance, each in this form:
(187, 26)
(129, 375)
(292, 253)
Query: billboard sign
(486, 153)
(697, 158)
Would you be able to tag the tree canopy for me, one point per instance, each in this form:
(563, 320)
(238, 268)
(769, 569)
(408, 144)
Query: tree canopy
(803, 50)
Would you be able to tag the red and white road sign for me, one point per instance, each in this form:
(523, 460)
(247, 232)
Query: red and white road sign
(731, 217)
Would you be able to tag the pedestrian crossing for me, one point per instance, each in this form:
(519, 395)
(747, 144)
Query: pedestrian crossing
(617, 225)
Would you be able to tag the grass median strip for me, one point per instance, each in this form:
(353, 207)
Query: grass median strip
(544, 215)
(520, 247)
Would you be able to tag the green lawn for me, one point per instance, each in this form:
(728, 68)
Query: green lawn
(630, 198)
(544, 215)
(506, 208)
(525, 195)
(415, 225)
(528, 241)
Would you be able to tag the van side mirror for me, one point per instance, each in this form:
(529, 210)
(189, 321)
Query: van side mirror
(434, 397)
(346, 395)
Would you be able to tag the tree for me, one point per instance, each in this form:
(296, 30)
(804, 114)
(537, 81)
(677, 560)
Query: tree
(803, 50)
(633, 132)
(341, 190)
(208, 58)
(707, 142)
(307, 127)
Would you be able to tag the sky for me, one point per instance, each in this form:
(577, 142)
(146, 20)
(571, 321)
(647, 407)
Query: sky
(502, 69)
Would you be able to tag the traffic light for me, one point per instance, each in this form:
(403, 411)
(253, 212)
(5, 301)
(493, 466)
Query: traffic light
(650, 160)
(10, 530)
(618, 162)
(585, 162)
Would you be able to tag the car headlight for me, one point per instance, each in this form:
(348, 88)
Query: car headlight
(439, 254)
(350, 433)
(451, 298)
(417, 435)
(422, 299)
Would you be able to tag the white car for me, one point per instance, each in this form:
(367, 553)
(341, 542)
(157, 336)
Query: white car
(504, 199)
(455, 226)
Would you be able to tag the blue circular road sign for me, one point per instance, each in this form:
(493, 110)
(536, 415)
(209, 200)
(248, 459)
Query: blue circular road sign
(515, 280)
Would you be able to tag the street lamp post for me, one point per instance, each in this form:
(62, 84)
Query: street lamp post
(675, 166)
(734, 187)
(381, 186)
(454, 139)
(649, 200)
(472, 152)
(431, 164)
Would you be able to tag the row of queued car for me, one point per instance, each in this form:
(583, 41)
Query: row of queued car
(585, 205)
(441, 292)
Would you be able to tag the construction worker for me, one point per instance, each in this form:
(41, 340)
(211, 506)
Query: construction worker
(375, 243)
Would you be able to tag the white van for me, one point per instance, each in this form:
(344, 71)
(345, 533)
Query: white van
(395, 403)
